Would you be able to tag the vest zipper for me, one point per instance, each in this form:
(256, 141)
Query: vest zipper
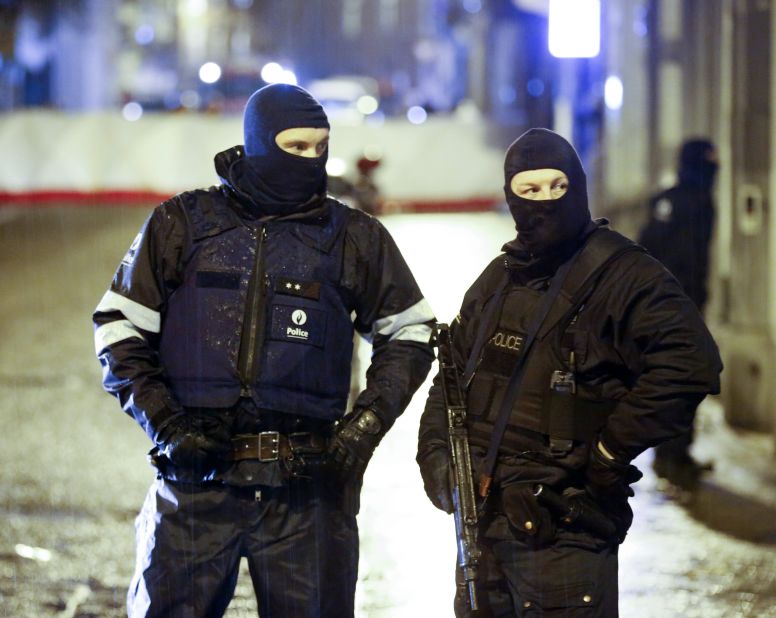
(253, 323)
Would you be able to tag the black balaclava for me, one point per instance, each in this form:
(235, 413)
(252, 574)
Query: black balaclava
(278, 180)
(544, 225)
(696, 170)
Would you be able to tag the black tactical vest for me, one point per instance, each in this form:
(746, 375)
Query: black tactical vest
(541, 408)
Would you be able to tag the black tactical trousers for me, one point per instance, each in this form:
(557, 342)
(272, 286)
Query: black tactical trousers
(576, 575)
(302, 551)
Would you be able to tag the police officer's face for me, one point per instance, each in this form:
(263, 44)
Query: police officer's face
(542, 184)
(303, 141)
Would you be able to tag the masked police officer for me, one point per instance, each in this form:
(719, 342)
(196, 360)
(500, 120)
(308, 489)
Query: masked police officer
(678, 233)
(227, 335)
(614, 362)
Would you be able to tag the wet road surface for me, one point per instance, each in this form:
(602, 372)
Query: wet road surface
(74, 473)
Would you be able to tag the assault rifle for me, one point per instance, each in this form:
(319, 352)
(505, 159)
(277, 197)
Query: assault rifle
(464, 501)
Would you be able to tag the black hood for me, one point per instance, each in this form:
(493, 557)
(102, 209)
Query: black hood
(278, 179)
(696, 169)
(544, 226)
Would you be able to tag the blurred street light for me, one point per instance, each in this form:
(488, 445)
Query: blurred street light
(575, 28)
(613, 92)
(132, 111)
(273, 73)
(416, 114)
(336, 166)
(210, 72)
(367, 104)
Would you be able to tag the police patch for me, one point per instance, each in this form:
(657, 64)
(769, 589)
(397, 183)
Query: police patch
(501, 352)
(129, 256)
(507, 341)
(299, 325)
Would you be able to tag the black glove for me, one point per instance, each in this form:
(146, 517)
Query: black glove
(194, 441)
(608, 480)
(355, 439)
(435, 470)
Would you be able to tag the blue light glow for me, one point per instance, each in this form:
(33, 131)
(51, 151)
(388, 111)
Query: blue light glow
(472, 6)
(144, 34)
(535, 87)
(507, 94)
(575, 28)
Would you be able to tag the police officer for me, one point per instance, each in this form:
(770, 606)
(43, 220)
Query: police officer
(227, 335)
(678, 233)
(618, 364)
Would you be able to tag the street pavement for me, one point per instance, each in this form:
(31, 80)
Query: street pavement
(73, 470)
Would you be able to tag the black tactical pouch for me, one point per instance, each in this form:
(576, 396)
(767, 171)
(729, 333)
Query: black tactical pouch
(527, 518)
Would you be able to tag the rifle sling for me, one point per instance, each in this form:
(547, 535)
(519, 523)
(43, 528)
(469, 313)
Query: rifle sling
(516, 378)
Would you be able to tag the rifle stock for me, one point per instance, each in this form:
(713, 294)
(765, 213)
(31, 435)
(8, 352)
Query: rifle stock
(464, 498)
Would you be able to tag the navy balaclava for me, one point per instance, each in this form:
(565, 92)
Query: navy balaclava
(696, 170)
(273, 176)
(544, 225)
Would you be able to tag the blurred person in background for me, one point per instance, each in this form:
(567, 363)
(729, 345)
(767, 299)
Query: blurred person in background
(678, 233)
(226, 333)
(589, 352)
(362, 192)
(366, 195)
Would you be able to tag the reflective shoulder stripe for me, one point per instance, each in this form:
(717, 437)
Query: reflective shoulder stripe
(414, 332)
(393, 325)
(113, 332)
(139, 315)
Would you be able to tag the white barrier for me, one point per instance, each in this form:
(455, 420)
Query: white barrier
(442, 159)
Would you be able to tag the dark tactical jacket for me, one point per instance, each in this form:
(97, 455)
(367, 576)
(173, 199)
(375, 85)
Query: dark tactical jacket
(642, 360)
(678, 233)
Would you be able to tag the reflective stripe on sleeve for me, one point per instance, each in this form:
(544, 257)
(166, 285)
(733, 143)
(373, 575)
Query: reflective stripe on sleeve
(414, 332)
(139, 315)
(407, 325)
(113, 332)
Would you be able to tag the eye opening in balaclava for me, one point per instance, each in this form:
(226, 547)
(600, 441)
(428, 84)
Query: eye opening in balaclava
(272, 175)
(546, 225)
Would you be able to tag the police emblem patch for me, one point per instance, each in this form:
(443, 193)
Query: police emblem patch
(129, 256)
(663, 210)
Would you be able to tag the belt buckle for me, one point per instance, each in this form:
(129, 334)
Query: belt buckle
(269, 440)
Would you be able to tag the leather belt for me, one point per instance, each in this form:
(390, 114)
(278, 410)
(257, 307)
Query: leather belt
(272, 446)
